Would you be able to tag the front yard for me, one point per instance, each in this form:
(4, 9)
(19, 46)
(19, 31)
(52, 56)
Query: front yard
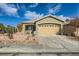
(24, 44)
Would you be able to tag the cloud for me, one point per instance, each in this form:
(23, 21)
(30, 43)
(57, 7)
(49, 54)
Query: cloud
(55, 9)
(64, 17)
(32, 15)
(8, 10)
(33, 5)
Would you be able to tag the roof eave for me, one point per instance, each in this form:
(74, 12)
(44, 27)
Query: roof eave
(48, 16)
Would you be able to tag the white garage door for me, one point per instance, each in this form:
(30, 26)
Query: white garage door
(48, 29)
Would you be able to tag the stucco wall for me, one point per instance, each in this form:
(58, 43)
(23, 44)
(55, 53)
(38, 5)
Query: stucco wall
(77, 32)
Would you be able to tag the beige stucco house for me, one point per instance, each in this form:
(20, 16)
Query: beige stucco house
(45, 26)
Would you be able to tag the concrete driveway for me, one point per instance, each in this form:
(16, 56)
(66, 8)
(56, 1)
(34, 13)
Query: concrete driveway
(59, 43)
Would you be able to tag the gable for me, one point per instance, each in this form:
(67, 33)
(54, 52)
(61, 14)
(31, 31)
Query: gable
(49, 19)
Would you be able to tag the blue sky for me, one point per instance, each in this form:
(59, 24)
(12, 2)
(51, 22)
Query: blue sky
(14, 13)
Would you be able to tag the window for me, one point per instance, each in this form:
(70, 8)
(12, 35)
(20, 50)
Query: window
(28, 27)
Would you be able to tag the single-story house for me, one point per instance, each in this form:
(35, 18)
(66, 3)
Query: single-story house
(45, 26)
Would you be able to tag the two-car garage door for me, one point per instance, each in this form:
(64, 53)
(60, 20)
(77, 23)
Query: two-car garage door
(48, 29)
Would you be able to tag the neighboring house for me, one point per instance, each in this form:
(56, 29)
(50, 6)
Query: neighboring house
(71, 28)
(45, 26)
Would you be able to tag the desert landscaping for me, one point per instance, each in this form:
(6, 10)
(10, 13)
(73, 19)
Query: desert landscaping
(18, 38)
(24, 44)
